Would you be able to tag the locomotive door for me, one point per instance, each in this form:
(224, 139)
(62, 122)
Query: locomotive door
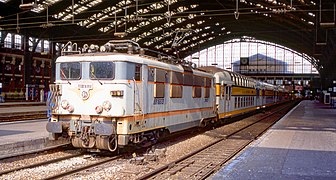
(140, 85)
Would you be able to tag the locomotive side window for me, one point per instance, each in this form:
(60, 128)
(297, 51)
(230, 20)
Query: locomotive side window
(176, 78)
(101, 70)
(197, 86)
(137, 74)
(207, 88)
(188, 79)
(159, 90)
(70, 70)
(206, 92)
(159, 79)
(160, 75)
(176, 88)
(151, 73)
(176, 91)
(197, 92)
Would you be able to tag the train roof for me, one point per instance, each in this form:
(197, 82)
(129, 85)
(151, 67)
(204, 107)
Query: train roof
(134, 58)
(228, 77)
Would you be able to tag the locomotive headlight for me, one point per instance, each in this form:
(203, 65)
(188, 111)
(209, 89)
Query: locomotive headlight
(107, 105)
(70, 108)
(64, 104)
(99, 109)
(117, 93)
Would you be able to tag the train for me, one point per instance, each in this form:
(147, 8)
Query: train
(118, 96)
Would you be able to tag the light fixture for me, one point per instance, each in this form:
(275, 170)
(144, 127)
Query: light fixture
(327, 24)
(99, 109)
(321, 43)
(120, 34)
(107, 105)
(28, 6)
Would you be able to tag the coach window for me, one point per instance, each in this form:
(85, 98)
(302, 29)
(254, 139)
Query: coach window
(241, 81)
(232, 77)
(237, 102)
(222, 92)
(228, 93)
(236, 80)
(70, 70)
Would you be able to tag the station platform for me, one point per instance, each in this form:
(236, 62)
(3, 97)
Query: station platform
(302, 145)
(15, 111)
(27, 136)
(19, 104)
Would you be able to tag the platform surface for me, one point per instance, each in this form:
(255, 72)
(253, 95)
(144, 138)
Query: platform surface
(21, 107)
(11, 132)
(24, 137)
(302, 145)
(25, 134)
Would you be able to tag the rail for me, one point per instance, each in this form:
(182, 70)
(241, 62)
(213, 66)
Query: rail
(220, 151)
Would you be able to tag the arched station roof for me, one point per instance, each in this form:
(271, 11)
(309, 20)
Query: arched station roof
(186, 26)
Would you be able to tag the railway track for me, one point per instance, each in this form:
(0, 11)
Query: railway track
(63, 173)
(84, 167)
(39, 164)
(204, 161)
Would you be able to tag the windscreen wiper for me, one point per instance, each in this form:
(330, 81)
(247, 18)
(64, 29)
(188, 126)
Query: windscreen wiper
(63, 74)
(94, 76)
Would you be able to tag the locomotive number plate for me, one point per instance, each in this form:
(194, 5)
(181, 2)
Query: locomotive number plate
(85, 86)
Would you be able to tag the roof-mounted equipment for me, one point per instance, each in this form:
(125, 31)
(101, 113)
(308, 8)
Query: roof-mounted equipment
(70, 48)
(128, 46)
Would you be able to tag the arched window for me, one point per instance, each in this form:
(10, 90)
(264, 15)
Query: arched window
(8, 41)
(263, 57)
(18, 41)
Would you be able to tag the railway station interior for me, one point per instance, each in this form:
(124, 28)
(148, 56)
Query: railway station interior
(287, 43)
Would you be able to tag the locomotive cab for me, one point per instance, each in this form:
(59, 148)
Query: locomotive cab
(91, 92)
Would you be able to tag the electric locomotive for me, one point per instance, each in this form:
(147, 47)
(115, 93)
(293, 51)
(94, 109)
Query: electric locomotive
(112, 99)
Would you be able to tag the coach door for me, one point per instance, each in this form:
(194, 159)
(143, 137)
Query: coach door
(258, 98)
(228, 92)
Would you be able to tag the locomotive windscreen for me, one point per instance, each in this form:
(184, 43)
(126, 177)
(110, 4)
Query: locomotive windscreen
(101, 70)
(70, 70)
